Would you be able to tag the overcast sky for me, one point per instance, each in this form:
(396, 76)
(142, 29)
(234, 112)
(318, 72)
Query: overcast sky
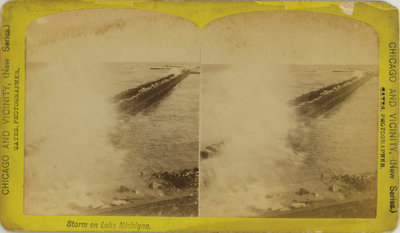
(288, 37)
(113, 35)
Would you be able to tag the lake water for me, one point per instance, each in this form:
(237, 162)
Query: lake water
(246, 108)
(79, 149)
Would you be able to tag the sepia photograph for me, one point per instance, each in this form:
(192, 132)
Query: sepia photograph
(261, 114)
(289, 116)
(112, 114)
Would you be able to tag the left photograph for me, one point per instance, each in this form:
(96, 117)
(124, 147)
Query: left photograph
(112, 114)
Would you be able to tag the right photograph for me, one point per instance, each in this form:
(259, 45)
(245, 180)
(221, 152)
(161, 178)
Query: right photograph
(288, 116)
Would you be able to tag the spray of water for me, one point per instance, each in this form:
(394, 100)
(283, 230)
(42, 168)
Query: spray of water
(80, 148)
(245, 107)
(69, 160)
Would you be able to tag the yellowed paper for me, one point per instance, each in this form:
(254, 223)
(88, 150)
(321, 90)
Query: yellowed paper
(199, 116)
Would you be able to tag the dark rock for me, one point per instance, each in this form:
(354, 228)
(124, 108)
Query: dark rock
(302, 191)
(123, 189)
(204, 154)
